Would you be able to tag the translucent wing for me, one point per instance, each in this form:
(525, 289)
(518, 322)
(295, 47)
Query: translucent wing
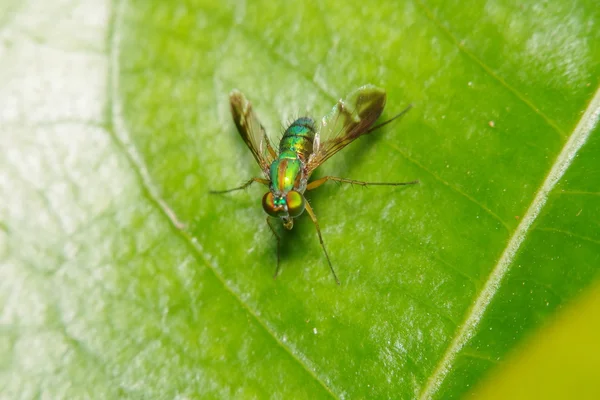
(349, 119)
(251, 130)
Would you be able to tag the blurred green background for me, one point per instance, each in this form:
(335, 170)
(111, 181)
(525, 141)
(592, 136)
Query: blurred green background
(120, 276)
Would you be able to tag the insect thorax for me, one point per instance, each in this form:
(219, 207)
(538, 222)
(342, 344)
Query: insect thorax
(287, 173)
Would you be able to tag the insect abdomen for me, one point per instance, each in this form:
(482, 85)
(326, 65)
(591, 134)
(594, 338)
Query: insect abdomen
(298, 138)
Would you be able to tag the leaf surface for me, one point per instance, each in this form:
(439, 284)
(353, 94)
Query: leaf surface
(121, 276)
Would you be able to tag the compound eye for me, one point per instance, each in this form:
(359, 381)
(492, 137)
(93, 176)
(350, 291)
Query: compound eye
(268, 203)
(295, 203)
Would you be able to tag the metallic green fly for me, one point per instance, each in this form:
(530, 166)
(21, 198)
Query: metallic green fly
(304, 146)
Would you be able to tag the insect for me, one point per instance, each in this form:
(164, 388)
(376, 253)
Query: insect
(305, 145)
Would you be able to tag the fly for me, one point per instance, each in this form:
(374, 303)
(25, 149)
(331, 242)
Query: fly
(306, 145)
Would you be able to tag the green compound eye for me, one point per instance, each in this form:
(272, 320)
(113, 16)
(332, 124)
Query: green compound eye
(295, 203)
(268, 203)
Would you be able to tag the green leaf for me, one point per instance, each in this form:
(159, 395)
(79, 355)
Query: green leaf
(121, 276)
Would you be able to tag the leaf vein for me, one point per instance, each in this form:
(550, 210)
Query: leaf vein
(579, 192)
(450, 186)
(459, 44)
(568, 233)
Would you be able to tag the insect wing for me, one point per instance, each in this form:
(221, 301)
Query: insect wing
(251, 130)
(349, 119)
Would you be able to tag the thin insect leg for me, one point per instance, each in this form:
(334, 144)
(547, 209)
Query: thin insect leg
(278, 240)
(319, 182)
(401, 113)
(314, 220)
(244, 186)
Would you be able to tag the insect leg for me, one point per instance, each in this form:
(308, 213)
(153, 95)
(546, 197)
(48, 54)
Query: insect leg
(319, 182)
(244, 186)
(278, 240)
(314, 220)
(401, 113)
